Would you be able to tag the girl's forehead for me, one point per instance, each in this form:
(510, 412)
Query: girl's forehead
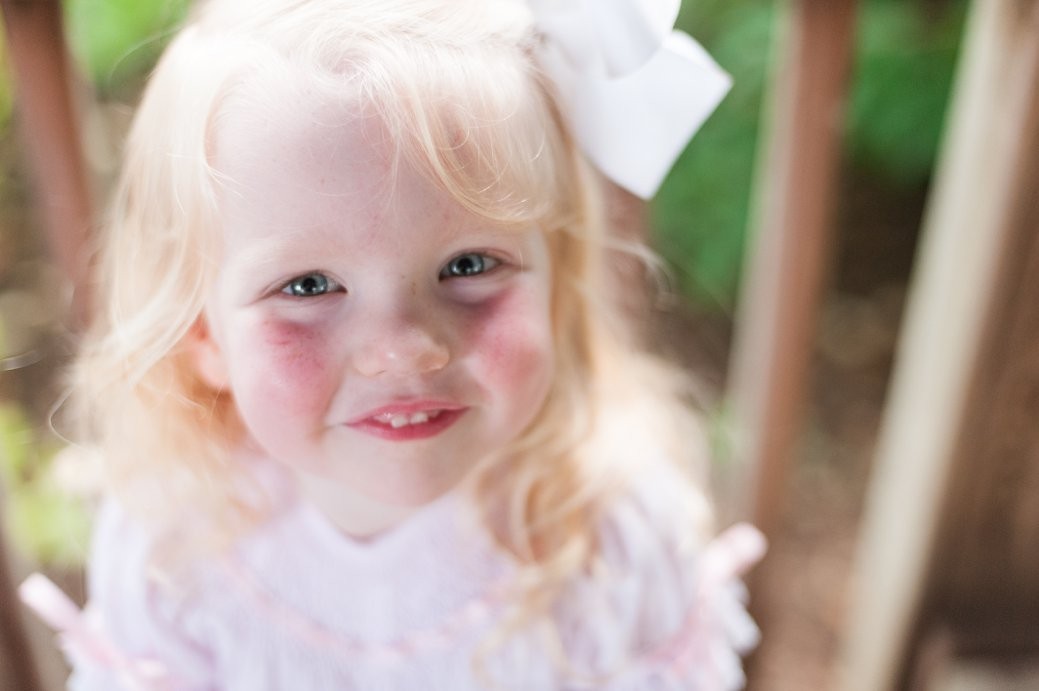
(289, 157)
(272, 134)
(285, 133)
(272, 117)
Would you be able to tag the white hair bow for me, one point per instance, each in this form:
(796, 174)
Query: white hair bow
(632, 88)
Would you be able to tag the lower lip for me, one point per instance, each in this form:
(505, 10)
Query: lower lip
(424, 430)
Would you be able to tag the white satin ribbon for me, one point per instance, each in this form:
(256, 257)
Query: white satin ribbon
(633, 90)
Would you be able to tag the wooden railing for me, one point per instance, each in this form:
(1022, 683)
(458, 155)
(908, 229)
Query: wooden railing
(949, 559)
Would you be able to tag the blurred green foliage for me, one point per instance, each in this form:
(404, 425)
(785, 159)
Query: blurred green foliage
(118, 41)
(701, 211)
(907, 52)
(42, 519)
(905, 57)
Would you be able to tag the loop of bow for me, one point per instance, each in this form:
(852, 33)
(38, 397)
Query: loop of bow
(634, 90)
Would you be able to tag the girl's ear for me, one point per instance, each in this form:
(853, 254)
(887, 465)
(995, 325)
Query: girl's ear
(206, 355)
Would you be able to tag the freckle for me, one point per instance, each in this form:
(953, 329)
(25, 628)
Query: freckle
(414, 288)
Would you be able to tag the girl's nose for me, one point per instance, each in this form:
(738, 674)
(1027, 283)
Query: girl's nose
(403, 349)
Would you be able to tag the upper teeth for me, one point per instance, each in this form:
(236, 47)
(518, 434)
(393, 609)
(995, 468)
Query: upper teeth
(397, 420)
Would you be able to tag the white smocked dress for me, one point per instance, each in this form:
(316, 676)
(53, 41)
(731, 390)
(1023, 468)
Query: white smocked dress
(297, 605)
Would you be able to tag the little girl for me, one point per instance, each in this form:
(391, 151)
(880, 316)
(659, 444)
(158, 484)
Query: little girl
(370, 416)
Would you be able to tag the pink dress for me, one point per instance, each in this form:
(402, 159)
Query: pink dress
(297, 605)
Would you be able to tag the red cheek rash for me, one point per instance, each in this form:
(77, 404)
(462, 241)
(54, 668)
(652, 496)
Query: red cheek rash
(293, 354)
(510, 338)
(282, 375)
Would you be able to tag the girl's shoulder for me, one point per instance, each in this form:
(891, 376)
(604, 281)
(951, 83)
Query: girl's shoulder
(663, 606)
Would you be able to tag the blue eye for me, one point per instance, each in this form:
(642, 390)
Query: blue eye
(310, 285)
(468, 264)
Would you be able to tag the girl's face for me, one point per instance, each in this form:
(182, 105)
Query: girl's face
(373, 333)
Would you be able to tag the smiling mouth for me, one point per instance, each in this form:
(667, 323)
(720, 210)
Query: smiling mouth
(408, 422)
(398, 420)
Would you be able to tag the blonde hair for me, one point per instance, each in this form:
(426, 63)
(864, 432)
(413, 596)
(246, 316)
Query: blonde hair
(458, 88)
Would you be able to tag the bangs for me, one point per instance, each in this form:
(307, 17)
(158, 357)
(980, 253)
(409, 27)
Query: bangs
(494, 144)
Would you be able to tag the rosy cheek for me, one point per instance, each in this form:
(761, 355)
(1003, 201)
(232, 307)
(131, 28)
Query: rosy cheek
(287, 368)
(510, 340)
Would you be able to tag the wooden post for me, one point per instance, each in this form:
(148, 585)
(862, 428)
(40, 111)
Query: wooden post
(17, 669)
(952, 521)
(50, 130)
(788, 253)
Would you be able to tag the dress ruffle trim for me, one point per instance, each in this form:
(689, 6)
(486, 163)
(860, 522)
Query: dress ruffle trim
(83, 640)
(705, 654)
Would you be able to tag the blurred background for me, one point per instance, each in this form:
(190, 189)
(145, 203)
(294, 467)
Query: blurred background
(880, 136)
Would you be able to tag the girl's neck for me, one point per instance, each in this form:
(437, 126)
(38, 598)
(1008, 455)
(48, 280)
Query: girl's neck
(360, 517)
